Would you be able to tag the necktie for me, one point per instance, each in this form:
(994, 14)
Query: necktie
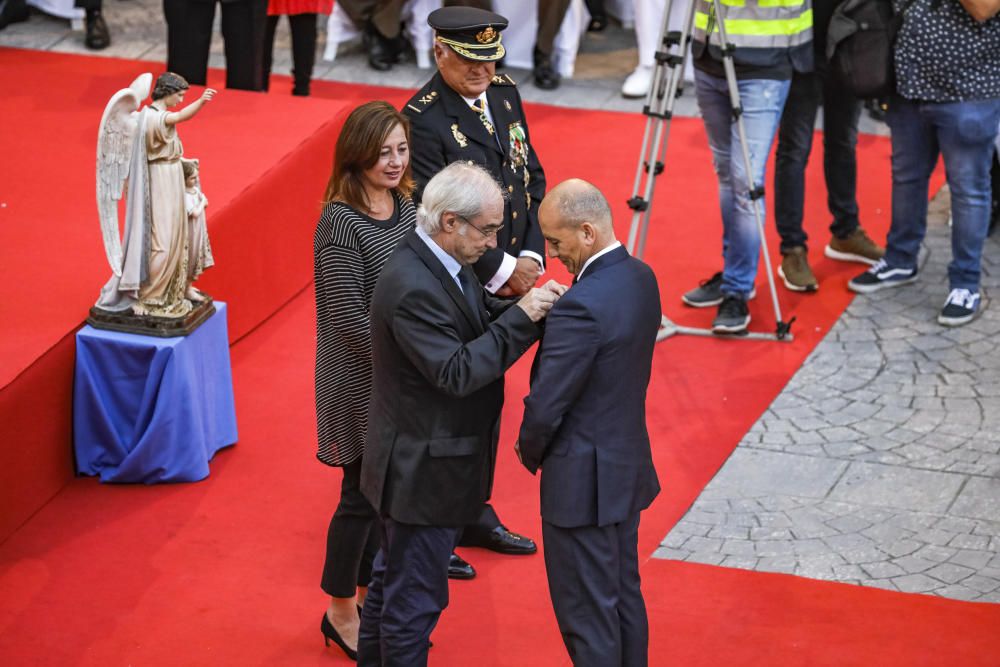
(469, 288)
(479, 106)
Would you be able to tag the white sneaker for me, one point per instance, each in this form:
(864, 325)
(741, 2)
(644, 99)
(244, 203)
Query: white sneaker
(638, 82)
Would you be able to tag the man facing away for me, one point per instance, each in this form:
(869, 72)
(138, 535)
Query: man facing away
(440, 347)
(585, 427)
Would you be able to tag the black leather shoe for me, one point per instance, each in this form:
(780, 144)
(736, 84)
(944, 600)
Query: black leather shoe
(383, 53)
(97, 36)
(503, 541)
(546, 77)
(459, 569)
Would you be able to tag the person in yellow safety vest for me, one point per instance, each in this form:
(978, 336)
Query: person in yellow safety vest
(771, 40)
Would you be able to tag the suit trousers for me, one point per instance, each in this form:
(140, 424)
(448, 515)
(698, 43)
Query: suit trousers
(352, 539)
(409, 589)
(303, 28)
(593, 574)
(189, 37)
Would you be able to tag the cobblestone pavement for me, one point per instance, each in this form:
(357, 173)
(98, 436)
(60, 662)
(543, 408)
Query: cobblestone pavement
(879, 464)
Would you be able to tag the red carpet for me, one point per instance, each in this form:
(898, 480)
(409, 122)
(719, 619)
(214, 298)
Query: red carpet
(225, 572)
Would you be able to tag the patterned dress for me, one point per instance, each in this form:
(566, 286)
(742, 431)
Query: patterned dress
(350, 250)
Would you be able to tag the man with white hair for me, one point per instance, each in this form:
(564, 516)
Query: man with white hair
(440, 345)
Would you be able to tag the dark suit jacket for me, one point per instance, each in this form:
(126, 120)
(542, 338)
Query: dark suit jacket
(433, 419)
(585, 418)
(444, 130)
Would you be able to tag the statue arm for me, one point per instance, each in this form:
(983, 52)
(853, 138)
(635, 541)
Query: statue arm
(189, 112)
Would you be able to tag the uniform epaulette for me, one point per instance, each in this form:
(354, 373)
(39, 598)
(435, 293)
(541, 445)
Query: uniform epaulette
(503, 80)
(422, 103)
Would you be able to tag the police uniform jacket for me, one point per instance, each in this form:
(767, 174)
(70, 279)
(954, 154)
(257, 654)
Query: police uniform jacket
(445, 129)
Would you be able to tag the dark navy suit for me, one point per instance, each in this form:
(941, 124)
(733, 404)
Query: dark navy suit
(585, 427)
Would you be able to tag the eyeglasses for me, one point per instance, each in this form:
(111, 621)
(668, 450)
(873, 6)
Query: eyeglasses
(492, 234)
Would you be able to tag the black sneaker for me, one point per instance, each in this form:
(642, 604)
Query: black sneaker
(733, 317)
(708, 293)
(881, 276)
(961, 307)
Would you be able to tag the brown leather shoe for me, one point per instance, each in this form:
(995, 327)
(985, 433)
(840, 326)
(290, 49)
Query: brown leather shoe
(795, 271)
(857, 247)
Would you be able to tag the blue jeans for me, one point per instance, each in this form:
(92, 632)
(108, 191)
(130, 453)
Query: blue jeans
(963, 134)
(840, 169)
(762, 101)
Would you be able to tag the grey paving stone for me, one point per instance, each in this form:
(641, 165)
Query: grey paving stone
(894, 486)
(979, 499)
(778, 473)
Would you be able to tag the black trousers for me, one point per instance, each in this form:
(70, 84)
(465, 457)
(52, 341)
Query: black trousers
(593, 574)
(409, 590)
(352, 539)
(189, 37)
(87, 4)
(303, 28)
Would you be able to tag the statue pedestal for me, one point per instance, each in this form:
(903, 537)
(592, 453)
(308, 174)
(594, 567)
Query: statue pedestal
(152, 325)
(152, 409)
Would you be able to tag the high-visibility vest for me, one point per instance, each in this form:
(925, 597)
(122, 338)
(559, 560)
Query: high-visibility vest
(766, 33)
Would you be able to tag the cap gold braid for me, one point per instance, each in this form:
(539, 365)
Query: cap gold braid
(463, 49)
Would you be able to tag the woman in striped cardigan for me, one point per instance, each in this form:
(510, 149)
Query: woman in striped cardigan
(367, 212)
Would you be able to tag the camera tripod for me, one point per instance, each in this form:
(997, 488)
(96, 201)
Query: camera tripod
(666, 87)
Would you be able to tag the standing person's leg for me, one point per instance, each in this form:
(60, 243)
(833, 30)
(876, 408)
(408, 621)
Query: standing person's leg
(269, 30)
(712, 96)
(189, 38)
(841, 112)
(966, 131)
(583, 569)
(914, 154)
(762, 101)
(243, 28)
(408, 592)
(97, 35)
(550, 18)
(351, 530)
(303, 28)
(631, 606)
(795, 139)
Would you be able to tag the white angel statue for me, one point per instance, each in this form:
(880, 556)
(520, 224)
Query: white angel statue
(150, 262)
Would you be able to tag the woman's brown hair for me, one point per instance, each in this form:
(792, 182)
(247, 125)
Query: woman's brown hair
(358, 148)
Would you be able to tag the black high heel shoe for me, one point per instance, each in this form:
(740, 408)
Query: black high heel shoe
(330, 633)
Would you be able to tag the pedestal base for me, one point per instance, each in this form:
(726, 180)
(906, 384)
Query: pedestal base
(152, 325)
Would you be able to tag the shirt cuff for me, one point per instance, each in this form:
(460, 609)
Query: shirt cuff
(502, 275)
(535, 256)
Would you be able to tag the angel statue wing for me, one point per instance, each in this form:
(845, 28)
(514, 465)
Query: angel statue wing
(114, 149)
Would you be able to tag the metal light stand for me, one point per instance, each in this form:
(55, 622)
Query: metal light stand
(666, 87)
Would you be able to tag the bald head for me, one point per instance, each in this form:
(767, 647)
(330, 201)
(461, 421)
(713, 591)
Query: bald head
(576, 201)
(576, 221)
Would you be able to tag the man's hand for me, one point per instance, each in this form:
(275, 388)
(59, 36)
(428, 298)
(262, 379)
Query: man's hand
(537, 303)
(526, 273)
(554, 287)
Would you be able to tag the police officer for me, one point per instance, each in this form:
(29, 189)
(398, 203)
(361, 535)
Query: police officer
(468, 112)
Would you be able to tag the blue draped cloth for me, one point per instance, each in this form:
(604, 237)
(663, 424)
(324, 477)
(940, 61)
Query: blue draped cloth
(148, 409)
